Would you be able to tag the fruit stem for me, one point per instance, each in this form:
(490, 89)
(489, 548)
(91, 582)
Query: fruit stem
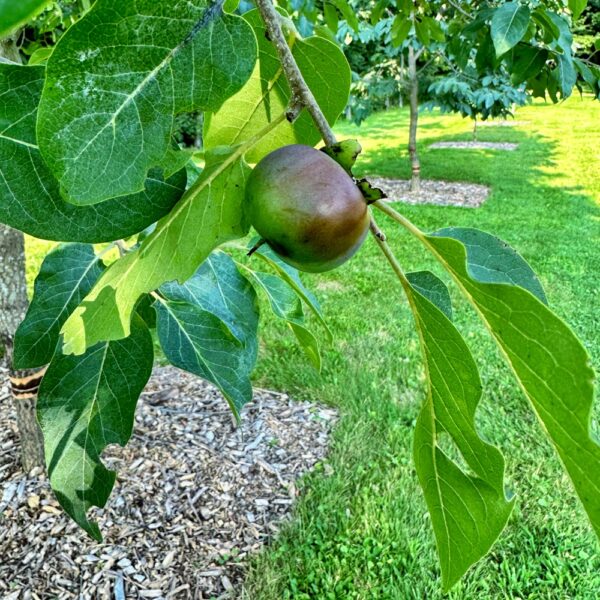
(301, 94)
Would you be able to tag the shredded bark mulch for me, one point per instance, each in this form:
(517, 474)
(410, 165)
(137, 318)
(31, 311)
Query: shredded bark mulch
(476, 145)
(194, 497)
(433, 191)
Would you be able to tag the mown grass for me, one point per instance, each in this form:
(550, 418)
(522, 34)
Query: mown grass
(360, 529)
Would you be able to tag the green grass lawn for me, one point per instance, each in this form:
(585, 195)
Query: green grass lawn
(361, 529)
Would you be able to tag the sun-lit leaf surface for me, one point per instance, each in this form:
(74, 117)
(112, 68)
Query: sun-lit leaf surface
(14, 13)
(286, 304)
(509, 24)
(548, 360)
(118, 78)
(433, 288)
(493, 261)
(67, 274)
(209, 214)
(86, 403)
(29, 194)
(577, 7)
(467, 503)
(267, 94)
(292, 277)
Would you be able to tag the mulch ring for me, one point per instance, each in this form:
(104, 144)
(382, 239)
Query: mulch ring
(194, 497)
(444, 193)
(476, 145)
(501, 123)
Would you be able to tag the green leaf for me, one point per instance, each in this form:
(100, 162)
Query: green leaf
(528, 61)
(292, 278)
(118, 78)
(548, 360)
(267, 94)
(464, 493)
(208, 326)
(219, 288)
(348, 13)
(433, 288)
(494, 261)
(29, 194)
(86, 403)
(67, 274)
(14, 13)
(422, 31)
(577, 7)
(564, 74)
(209, 214)
(509, 24)
(287, 306)
(400, 29)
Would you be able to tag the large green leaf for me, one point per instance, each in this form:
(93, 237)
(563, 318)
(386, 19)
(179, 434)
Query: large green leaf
(208, 326)
(29, 194)
(528, 61)
(209, 214)
(551, 365)
(509, 24)
(120, 75)
(286, 304)
(68, 273)
(86, 403)
(467, 503)
(218, 287)
(14, 13)
(267, 94)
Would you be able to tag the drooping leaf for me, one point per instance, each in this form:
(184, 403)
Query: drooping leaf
(433, 288)
(266, 95)
(286, 304)
(208, 326)
(467, 503)
(292, 277)
(14, 13)
(219, 288)
(209, 214)
(67, 275)
(86, 403)
(348, 13)
(118, 78)
(29, 194)
(565, 74)
(509, 24)
(548, 360)
(528, 61)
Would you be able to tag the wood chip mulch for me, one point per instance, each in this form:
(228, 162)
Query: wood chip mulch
(505, 123)
(476, 145)
(194, 497)
(433, 191)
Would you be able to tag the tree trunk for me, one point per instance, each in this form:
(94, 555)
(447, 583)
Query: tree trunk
(415, 182)
(13, 306)
(475, 128)
(401, 86)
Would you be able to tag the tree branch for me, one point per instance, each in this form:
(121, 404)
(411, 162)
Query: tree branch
(302, 97)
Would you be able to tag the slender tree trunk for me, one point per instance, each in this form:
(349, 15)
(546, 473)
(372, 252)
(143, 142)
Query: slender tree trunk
(13, 306)
(475, 128)
(401, 86)
(415, 182)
